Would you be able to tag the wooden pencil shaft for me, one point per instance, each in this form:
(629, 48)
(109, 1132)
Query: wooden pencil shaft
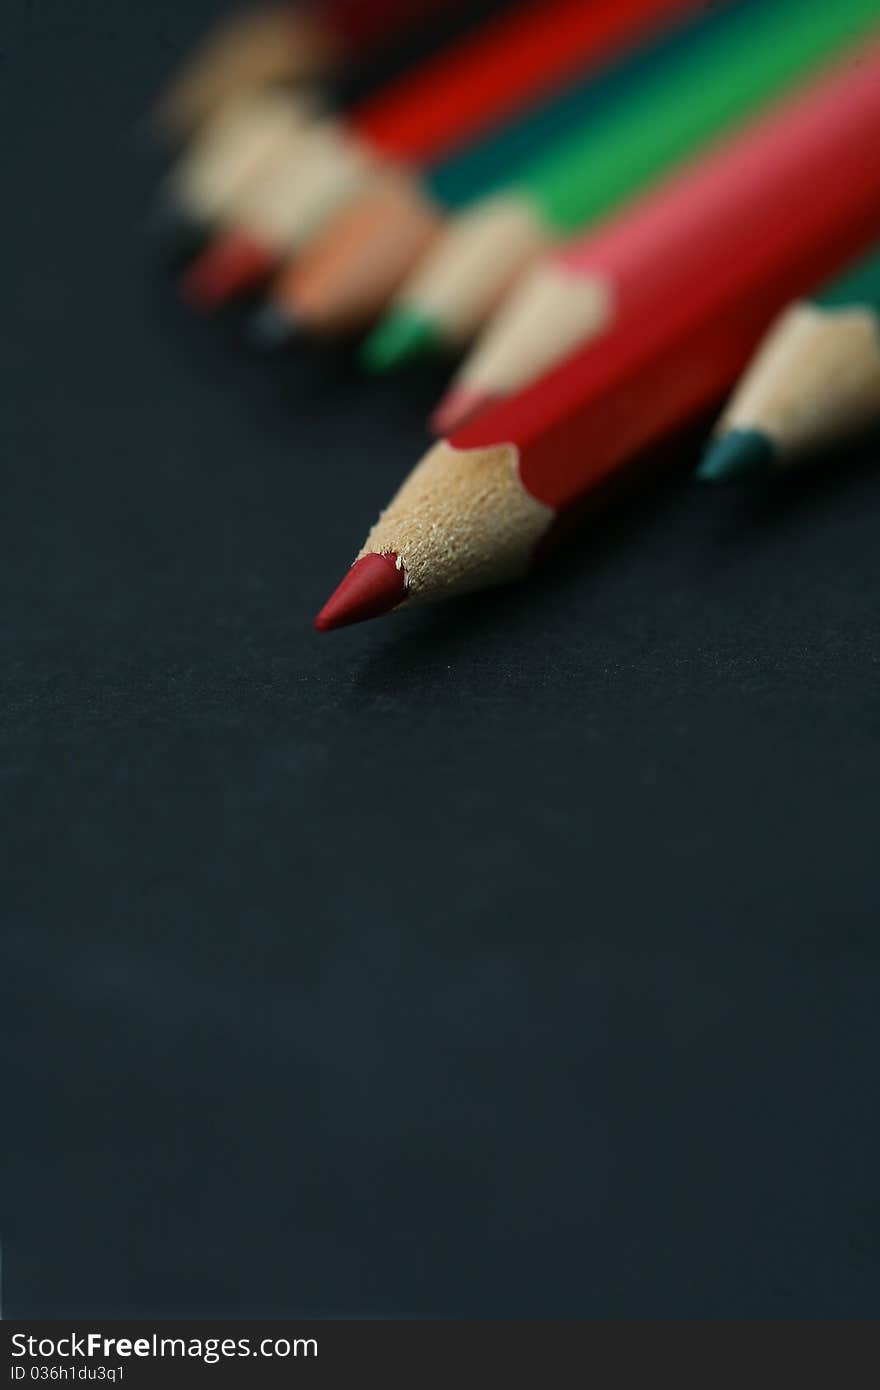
(814, 381)
(460, 521)
(285, 207)
(242, 139)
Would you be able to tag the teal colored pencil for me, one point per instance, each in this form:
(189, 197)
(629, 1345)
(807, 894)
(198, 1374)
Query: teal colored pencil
(813, 383)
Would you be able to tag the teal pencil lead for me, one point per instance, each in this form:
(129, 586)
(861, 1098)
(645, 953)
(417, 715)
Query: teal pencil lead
(735, 455)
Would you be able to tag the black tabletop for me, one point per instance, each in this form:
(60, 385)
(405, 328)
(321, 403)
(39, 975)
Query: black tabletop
(514, 959)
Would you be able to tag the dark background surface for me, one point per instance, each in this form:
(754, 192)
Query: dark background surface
(515, 959)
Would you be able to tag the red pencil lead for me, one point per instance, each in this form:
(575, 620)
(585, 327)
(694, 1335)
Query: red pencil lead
(373, 586)
(230, 266)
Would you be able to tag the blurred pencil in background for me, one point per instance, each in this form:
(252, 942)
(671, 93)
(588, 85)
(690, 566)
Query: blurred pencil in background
(444, 103)
(243, 140)
(241, 137)
(814, 382)
(282, 43)
(346, 277)
(661, 244)
(748, 58)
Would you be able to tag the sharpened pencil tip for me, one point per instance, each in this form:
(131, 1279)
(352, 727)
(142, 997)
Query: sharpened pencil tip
(272, 328)
(458, 406)
(401, 336)
(373, 586)
(735, 455)
(230, 266)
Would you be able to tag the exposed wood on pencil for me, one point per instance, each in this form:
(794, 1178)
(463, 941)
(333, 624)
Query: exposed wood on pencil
(545, 318)
(814, 381)
(812, 359)
(464, 276)
(238, 145)
(349, 274)
(280, 212)
(248, 49)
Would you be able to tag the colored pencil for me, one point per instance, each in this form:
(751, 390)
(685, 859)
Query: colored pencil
(346, 277)
(276, 43)
(477, 508)
(813, 383)
(235, 146)
(443, 103)
(658, 247)
(717, 83)
(482, 79)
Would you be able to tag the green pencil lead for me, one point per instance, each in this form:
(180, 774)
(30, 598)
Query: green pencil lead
(402, 336)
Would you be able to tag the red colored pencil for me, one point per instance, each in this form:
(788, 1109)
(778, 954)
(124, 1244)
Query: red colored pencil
(810, 147)
(477, 508)
(471, 85)
(515, 58)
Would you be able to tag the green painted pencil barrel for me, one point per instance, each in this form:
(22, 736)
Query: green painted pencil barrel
(715, 83)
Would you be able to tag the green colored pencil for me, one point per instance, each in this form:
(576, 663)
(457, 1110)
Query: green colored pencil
(814, 381)
(715, 83)
(490, 161)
